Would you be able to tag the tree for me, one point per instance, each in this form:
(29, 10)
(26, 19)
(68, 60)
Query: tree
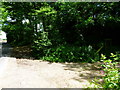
(71, 23)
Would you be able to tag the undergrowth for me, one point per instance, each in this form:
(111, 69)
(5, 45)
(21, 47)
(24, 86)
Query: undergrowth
(111, 73)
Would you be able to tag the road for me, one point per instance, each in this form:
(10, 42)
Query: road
(23, 73)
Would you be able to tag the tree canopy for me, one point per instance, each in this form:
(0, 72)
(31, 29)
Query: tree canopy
(46, 25)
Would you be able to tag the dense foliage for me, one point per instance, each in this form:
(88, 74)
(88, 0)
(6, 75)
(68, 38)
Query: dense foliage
(66, 31)
(111, 72)
(71, 54)
(0, 15)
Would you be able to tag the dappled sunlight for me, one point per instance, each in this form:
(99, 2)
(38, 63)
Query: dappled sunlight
(3, 35)
(52, 75)
(85, 71)
(59, 44)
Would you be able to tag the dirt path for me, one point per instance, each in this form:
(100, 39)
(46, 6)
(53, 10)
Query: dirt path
(26, 73)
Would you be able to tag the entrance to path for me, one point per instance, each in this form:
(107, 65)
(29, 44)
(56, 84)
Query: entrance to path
(5, 48)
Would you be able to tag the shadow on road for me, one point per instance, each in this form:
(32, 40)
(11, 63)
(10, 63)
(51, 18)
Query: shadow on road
(22, 52)
(87, 71)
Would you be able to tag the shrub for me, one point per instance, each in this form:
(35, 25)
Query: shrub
(41, 43)
(68, 53)
(111, 73)
(44, 48)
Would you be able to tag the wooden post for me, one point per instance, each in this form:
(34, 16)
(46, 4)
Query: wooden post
(108, 45)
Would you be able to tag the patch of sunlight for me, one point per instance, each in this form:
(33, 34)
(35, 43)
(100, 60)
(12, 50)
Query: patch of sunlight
(3, 35)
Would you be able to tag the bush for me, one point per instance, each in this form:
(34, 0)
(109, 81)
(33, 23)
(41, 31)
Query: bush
(41, 43)
(111, 73)
(44, 48)
(68, 53)
(17, 34)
